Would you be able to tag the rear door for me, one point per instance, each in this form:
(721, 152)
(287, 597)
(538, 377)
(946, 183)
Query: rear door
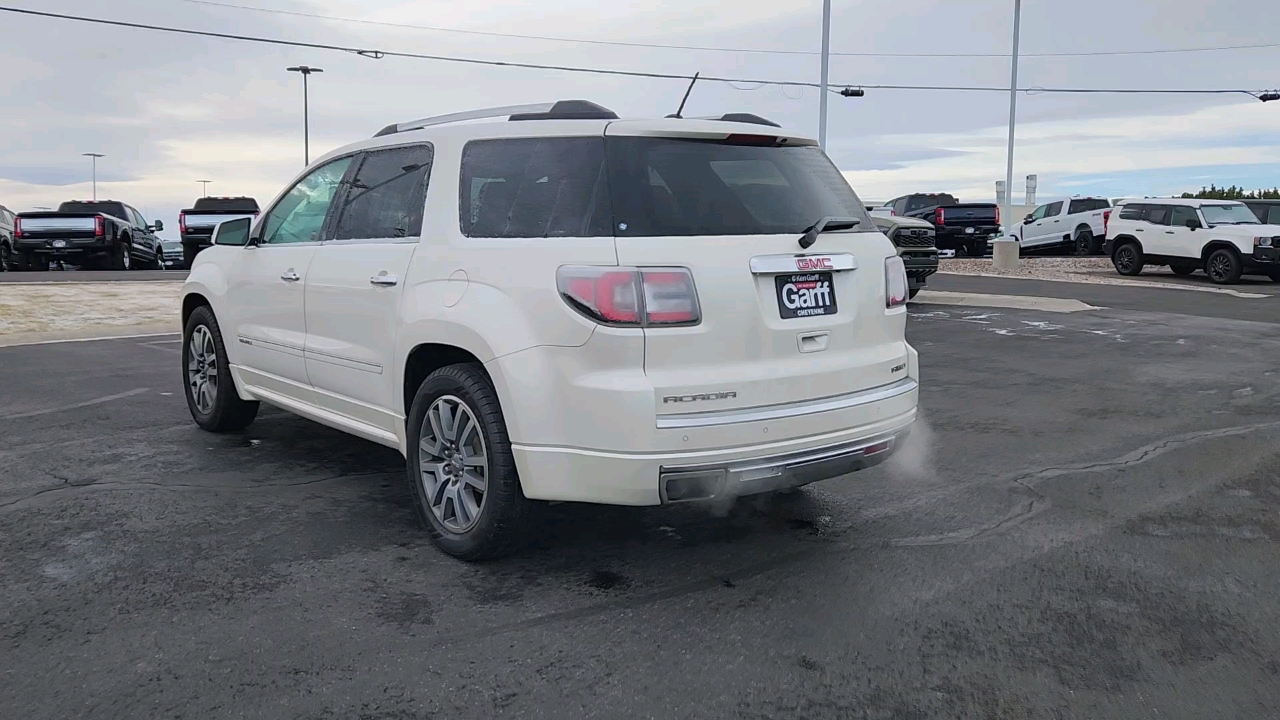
(779, 324)
(356, 280)
(1157, 237)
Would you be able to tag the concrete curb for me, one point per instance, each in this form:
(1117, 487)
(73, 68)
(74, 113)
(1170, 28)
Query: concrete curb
(1086, 280)
(89, 334)
(1015, 302)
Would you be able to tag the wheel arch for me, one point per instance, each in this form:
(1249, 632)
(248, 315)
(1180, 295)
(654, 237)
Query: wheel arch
(1215, 245)
(1124, 240)
(1082, 227)
(425, 358)
(190, 302)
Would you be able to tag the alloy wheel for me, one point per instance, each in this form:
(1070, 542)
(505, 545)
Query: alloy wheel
(453, 463)
(1220, 267)
(202, 369)
(1124, 259)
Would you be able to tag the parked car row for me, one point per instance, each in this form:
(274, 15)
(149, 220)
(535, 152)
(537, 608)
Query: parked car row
(965, 228)
(1224, 238)
(110, 235)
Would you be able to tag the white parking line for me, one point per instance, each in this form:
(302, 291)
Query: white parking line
(86, 403)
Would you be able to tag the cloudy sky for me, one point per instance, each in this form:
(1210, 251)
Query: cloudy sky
(168, 110)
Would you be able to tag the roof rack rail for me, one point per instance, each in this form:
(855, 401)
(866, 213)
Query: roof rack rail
(560, 110)
(747, 118)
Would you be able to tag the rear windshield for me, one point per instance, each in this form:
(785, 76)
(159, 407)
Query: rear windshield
(644, 187)
(919, 202)
(106, 208)
(1088, 205)
(227, 205)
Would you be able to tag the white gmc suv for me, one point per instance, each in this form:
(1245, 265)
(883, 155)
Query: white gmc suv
(1222, 237)
(564, 306)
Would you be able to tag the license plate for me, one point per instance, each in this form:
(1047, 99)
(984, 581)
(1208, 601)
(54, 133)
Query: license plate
(968, 231)
(806, 295)
(59, 243)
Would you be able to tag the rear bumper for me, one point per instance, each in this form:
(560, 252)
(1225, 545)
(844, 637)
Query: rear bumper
(952, 238)
(578, 475)
(70, 246)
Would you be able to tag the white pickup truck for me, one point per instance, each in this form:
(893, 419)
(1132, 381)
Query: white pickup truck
(1079, 223)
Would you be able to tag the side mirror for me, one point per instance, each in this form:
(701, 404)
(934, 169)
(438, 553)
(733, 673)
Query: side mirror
(232, 232)
(1028, 220)
(158, 226)
(1193, 223)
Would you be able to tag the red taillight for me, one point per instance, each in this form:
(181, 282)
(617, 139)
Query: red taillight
(896, 288)
(1106, 221)
(182, 222)
(99, 226)
(17, 227)
(997, 214)
(938, 217)
(630, 297)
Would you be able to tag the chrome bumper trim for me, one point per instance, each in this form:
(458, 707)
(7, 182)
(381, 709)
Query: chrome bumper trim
(778, 412)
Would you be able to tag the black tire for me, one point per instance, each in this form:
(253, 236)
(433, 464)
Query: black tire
(1183, 269)
(121, 256)
(35, 263)
(227, 412)
(1128, 259)
(499, 526)
(977, 248)
(1275, 276)
(1084, 243)
(1223, 266)
(188, 255)
(7, 259)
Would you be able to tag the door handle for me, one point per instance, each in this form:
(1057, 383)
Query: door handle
(290, 276)
(1168, 232)
(383, 279)
(1139, 230)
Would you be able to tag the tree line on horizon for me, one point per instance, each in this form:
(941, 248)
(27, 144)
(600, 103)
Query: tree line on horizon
(1213, 192)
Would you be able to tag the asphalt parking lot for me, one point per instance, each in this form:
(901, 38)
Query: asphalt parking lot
(1085, 525)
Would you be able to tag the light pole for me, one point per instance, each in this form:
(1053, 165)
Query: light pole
(306, 112)
(205, 186)
(826, 67)
(1013, 118)
(95, 157)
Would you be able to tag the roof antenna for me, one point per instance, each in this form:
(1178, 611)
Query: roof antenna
(686, 96)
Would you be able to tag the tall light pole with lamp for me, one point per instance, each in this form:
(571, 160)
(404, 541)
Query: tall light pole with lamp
(1004, 251)
(306, 71)
(95, 157)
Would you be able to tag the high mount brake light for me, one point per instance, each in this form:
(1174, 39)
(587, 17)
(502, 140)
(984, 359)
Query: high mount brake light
(631, 297)
(896, 289)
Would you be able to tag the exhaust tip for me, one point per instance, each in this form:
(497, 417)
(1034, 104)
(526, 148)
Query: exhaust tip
(689, 486)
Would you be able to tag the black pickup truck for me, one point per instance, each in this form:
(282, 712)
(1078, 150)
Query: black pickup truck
(100, 234)
(962, 227)
(197, 222)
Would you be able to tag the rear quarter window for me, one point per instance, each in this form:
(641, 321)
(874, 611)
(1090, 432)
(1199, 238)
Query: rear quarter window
(1088, 205)
(534, 188)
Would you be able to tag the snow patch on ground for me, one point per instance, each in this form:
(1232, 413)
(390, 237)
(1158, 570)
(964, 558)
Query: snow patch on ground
(26, 308)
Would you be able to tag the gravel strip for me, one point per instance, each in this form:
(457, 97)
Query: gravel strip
(1097, 271)
(28, 308)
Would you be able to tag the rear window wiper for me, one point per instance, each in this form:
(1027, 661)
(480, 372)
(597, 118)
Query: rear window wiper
(826, 224)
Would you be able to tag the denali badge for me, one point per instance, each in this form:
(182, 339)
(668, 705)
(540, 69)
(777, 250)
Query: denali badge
(699, 397)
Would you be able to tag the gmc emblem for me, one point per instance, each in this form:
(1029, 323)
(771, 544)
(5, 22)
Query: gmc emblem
(699, 397)
(813, 263)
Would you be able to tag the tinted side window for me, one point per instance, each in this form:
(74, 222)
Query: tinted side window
(386, 195)
(1039, 213)
(300, 214)
(1131, 212)
(1273, 215)
(1054, 209)
(534, 188)
(1156, 214)
(1182, 214)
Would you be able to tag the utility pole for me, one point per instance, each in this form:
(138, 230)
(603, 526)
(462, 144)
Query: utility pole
(826, 67)
(95, 157)
(1013, 118)
(306, 112)
(205, 186)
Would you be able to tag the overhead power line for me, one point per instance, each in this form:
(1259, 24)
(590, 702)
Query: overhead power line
(379, 54)
(705, 48)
